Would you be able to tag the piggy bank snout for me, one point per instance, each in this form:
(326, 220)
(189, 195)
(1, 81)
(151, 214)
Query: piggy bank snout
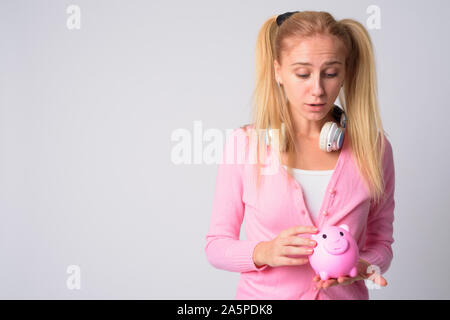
(337, 246)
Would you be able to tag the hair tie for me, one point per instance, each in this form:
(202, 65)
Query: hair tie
(284, 16)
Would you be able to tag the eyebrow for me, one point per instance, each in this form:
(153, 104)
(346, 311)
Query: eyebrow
(309, 64)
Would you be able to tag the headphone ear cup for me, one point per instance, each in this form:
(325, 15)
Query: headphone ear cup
(343, 120)
(324, 133)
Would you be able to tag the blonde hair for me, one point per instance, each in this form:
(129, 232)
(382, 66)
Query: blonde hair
(270, 107)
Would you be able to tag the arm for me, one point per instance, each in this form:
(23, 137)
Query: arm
(223, 248)
(379, 239)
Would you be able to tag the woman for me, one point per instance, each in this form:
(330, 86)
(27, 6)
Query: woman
(305, 58)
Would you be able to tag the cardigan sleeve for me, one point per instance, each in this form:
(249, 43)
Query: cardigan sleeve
(224, 250)
(378, 250)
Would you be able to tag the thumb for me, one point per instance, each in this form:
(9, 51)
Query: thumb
(378, 279)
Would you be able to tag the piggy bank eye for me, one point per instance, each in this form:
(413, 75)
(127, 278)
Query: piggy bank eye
(341, 233)
(324, 236)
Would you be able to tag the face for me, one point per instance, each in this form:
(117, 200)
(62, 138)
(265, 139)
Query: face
(306, 76)
(334, 240)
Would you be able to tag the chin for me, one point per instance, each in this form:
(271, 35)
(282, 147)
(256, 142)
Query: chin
(315, 114)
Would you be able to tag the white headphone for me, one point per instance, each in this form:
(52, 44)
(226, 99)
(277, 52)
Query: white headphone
(331, 135)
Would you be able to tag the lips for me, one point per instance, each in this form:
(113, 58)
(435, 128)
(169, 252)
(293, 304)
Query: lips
(316, 104)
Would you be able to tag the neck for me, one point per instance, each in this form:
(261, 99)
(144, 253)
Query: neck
(309, 129)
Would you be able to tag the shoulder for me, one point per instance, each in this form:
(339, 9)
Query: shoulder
(237, 142)
(388, 159)
(241, 132)
(246, 128)
(236, 138)
(388, 152)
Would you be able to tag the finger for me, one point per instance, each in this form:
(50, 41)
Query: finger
(285, 261)
(299, 241)
(319, 284)
(329, 283)
(345, 280)
(323, 283)
(333, 282)
(299, 229)
(378, 279)
(316, 278)
(291, 250)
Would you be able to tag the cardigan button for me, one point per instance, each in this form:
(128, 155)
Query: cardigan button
(303, 212)
(332, 191)
(325, 213)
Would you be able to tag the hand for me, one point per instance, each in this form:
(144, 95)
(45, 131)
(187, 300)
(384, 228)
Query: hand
(274, 253)
(362, 275)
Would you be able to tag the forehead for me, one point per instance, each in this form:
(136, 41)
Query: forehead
(315, 50)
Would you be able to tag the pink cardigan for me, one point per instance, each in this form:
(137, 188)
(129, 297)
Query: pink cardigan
(280, 206)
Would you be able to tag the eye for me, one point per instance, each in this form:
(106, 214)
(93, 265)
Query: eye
(324, 236)
(341, 233)
(329, 75)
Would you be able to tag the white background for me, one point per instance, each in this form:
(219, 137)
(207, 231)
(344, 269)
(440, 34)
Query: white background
(86, 118)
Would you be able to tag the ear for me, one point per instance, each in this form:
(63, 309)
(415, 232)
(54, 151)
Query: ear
(277, 68)
(345, 227)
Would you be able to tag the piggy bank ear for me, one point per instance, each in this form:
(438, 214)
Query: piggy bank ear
(345, 227)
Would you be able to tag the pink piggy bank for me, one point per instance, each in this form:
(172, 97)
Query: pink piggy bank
(336, 253)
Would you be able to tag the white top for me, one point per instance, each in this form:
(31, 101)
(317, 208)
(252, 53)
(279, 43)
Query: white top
(314, 184)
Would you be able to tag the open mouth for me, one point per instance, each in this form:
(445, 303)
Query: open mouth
(316, 107)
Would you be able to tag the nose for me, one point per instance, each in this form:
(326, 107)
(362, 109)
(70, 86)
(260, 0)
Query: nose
(317, 89)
